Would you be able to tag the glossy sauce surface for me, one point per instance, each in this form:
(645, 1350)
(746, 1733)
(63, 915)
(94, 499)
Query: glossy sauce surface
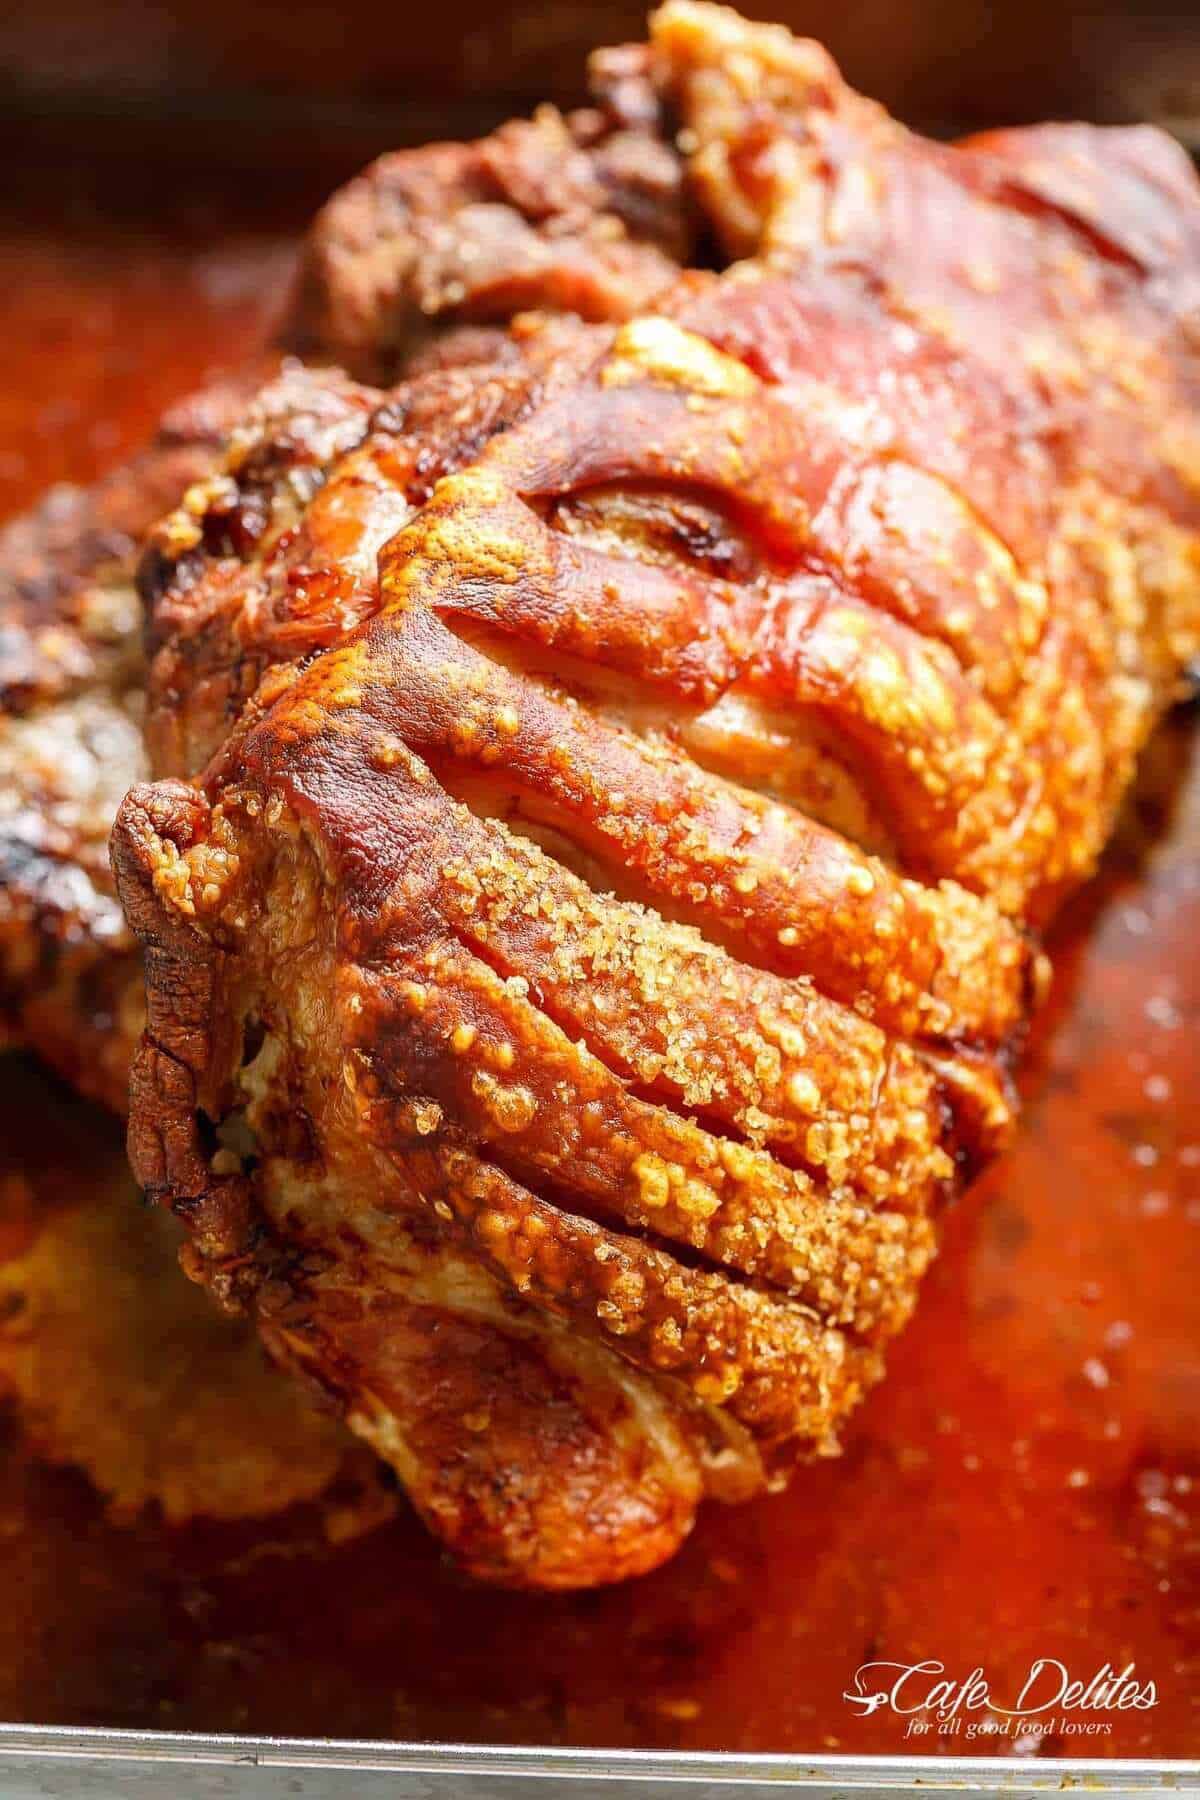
(1025, 1484)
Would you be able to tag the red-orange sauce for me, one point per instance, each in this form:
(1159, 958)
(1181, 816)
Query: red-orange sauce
(1026, 1483)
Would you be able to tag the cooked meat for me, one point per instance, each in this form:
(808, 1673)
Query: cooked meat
(212, 632)
(584, 214)
(603, 939)
(1007, 329)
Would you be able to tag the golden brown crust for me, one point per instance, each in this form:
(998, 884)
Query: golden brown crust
(593, 1477)
(622, 865)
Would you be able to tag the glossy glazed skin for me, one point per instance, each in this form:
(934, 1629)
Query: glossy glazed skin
(632, 896)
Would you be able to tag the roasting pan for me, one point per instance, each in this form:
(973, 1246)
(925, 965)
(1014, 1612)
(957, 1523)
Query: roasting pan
(1025, 1485)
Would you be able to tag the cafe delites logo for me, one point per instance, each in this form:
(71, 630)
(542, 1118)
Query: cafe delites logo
(1050, 1701)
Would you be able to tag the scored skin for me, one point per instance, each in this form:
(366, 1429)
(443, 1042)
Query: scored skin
(1050, 274)
(593, 1478)
(803, 1231)
(304, 582)
(374, 927)
(539, 1460)
(879, 1137)
(209, 642)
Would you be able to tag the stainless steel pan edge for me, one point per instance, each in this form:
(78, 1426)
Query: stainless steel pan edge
(58, 1763)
